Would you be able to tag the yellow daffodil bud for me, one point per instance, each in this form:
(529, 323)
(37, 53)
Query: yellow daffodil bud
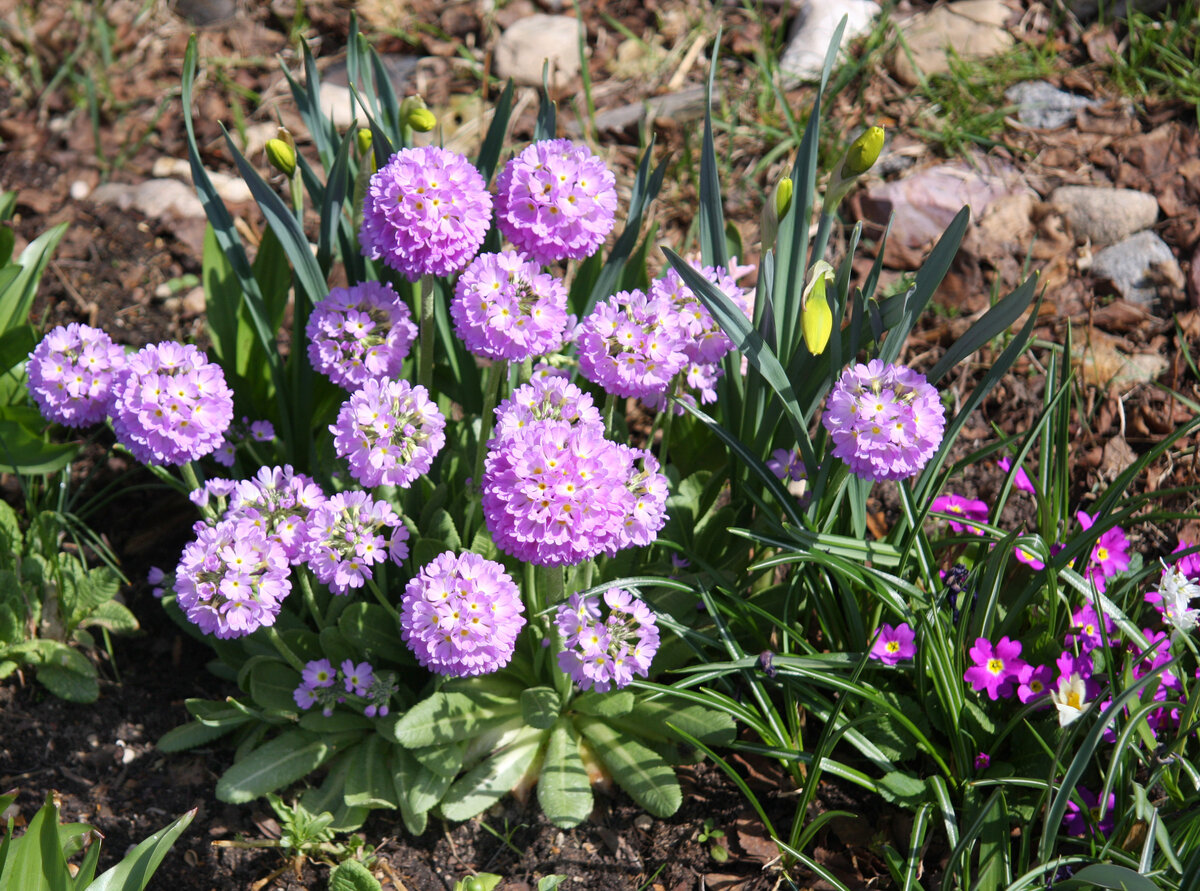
(859, 158)
(363, 139)
(816, 319)
(773, 210)
(281, 153)
(422, 120)
(783, 196)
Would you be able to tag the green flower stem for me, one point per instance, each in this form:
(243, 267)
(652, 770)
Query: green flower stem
(297, 189)
(663, 446)
(381, 597)
(610, 409)
(497, 372)
(526, 372)
(310, 599)
(192, 481)
(285, 651)
(428, 294)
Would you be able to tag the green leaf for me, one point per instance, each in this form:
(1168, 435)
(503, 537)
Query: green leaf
(902, 788)
(604, 705)
(638, 770)
(444, 761)
(272, 685)
(339, 722)
(23, 452)
(417, 789)
(215, 714)
(112, 615)
(134, 872)
(369, 782)
(540, 707)
(283, 760)
(16, 299)
(329, 797)
(17, 344)
(351, 875)
(190, 735)
(35, 862)
(563, 789)
(373, 629)
(490, 780)
(74, 683)
(450, 717)
(1109, 875)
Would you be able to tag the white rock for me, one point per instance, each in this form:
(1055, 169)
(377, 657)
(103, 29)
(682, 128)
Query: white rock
(530, 41)
(974, 29)
(1104, 215)
(153, 198)
(232, 189)
(1137, 265)
(337, 102)
(80, 190)
(812, 31)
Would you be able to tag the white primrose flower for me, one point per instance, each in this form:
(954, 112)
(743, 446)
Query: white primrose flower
(1177, 592)
(1070, 698)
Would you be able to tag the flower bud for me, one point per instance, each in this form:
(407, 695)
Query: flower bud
(363, 139)
(282, 155)
(863, 152)
(816, 319)
(773, 210)
(422, 120)
(783, 197)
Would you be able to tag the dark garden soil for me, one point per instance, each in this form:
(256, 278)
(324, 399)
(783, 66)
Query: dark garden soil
(127, 273)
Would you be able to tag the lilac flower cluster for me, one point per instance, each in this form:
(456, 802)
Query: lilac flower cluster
(232, 579)
(358, 333)
(71, 374)
(556, 492)
(604, 654)
(239, 432)
(426, 212)
(170, 404)
(629, 345)
(346, 537)
(885, 420)
(461, 615)
(319, 687)
(390, 432)
(505, 307)
(281, 502)
(556, 200)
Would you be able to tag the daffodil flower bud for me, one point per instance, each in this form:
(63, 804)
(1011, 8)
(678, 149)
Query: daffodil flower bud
(416, 115)
(816, 319)
(859, 158)
(773, 211)
(281, 153)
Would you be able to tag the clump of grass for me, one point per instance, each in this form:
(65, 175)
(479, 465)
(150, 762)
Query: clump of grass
(1161, 58)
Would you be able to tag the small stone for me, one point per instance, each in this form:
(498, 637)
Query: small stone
(813, 29)
(1137, 266)
(530, 41)
(1043, 106)
(974, 29)
(154, 198)
(205, 13)
(1104, 215)
(194, 303)
(80, 190)
(643, 822)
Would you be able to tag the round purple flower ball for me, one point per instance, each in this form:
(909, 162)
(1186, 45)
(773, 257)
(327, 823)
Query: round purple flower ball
(703, 340)
(426, 212)
(280, 501)
(556, 200)
(547, 398)
(604, 654)
(345, 538)
(390, 432)
(360, 332)
(232, 579)
(71, 374)
(170, 404)
(885, 421)
(632, 345)
(461, 615)
(505, 307)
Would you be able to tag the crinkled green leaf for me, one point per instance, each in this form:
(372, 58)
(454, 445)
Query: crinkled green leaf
(563, 789)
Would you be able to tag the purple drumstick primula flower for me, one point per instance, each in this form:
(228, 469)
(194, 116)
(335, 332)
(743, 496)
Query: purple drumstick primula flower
(544, 399)
(885, 420)
(893, 644)
(357, 679)
(997, 667)
(232, 579)
(71, 374)
(632, 345)
(788, 466)
(170, 404)
(426, 212)
(358, 333)
(346, 537)
(390, 432)
(604, 654)
(505, 307)
(461, 615)
(556, 201)
(280, 501)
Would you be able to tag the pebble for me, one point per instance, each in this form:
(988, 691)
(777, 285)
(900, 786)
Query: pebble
(153, 198)
(528, 42)
(1043, 106)
(1136, 266)
(1102, 214)
(974, 29)
(813, 29)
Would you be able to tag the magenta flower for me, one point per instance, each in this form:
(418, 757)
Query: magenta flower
(346, 537)
(426, 212)
(885, 420)
(170, 404)
(390, 432)
(982, 761)
(1110, 554)
(71, 374)
(461, 615)
(1033, 682)
(358, 333)
(232, 579)
(997, 667)
(967, 508)
(599, 654)
(1029, 558)
(704, 341)
(1156, 654)
(632, 345)
(1078, 822)
(556, 200)
(1085, 629)
(1021, 481)
(893, 644)
(505, 307)
(548, 398)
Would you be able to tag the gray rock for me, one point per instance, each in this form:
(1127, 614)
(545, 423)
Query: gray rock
(1136, 266)
(812, 31)
(156, 198)
(1044, 106)
(973, 29)
(206, 13)
(528, 42)
(1102, 214)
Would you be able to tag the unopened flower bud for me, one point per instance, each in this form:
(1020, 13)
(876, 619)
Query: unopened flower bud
(816, 319)
(422, 120)
(783, 196)
(282, 156)
(863, 152)
(363, 139)
(773, 211)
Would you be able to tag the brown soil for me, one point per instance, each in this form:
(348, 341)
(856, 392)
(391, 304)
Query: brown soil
(114, 267)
